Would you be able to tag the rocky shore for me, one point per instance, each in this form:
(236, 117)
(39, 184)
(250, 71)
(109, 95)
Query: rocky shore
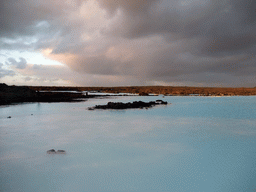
(12, 94)
(20, 94)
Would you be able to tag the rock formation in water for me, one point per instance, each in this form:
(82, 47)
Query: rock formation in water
(52, 151)
(61, 152)
(135, 104)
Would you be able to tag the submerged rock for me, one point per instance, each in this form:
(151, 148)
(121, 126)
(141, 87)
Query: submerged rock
(52, 151)
(61, 152)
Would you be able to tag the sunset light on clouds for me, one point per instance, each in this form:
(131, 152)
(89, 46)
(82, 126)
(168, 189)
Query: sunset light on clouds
(135, 42)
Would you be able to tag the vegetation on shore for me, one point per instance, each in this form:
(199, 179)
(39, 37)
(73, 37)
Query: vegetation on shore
(165, 90)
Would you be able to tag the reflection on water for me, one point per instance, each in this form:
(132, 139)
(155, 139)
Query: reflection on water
(193, 144)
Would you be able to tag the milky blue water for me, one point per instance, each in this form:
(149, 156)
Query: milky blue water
(194, 144)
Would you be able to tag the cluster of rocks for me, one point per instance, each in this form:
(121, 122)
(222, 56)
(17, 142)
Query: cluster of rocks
(135, 104)
(52, 151)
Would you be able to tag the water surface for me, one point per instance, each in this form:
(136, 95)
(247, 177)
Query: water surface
(192, 144)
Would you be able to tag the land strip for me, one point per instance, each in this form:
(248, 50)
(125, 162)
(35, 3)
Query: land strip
(17, 94)
(164, 90)
(20, 94)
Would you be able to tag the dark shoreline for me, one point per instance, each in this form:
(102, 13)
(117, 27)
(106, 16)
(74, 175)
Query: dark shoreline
(21, 94)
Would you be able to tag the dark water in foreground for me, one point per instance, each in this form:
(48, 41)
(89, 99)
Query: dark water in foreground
(194, 144)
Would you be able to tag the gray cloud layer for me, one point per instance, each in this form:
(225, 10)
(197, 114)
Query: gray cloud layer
(5, 72)
(22, 64)
(149, 40)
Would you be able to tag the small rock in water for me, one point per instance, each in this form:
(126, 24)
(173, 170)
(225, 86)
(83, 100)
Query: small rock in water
(9, 117)
(61, 152)
(51, 151)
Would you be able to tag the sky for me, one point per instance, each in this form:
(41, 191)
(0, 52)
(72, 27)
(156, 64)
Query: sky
(127, 43)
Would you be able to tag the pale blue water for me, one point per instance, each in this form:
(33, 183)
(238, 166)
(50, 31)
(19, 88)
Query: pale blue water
(194, 144)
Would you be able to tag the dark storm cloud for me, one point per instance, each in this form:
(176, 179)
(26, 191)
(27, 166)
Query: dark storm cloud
(221, 26)
(35, 25)
(214, 31)
(160, 40)
(163, 17)
(237, 65)
(21, 17)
